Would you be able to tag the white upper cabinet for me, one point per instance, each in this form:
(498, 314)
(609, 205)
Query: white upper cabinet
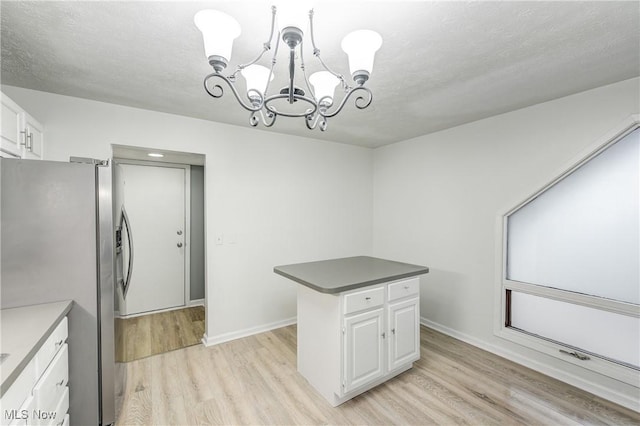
(11, 127)
(21, 135)
(34, 138)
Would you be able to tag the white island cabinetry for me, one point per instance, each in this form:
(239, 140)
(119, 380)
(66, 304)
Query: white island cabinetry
(35, 373)
(367, 338)
(353, 340)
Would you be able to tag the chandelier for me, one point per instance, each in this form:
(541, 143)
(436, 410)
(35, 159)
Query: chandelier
(317, 102)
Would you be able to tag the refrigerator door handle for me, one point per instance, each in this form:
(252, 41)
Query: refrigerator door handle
(124, 219)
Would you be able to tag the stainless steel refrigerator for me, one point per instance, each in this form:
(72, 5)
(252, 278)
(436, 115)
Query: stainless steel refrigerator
(58, 242)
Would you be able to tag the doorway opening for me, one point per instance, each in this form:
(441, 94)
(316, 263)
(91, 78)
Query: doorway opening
(159, 202)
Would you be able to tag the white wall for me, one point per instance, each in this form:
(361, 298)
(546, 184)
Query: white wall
(436, 199)
(287, 199)
(283, 199)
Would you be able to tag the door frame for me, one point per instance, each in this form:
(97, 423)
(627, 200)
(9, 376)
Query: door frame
(187, 226)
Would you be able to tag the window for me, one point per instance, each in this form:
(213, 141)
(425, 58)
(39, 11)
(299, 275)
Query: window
(570, 282)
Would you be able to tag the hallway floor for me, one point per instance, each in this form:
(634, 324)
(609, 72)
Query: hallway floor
(158, 333)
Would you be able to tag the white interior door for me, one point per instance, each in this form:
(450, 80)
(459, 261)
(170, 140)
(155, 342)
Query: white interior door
(155, 200)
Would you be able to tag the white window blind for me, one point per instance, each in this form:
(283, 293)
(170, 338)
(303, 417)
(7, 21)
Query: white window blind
(608, 334)
(571, 271)
(583, 233)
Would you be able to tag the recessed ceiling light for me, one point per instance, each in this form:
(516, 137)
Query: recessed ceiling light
(155, 154)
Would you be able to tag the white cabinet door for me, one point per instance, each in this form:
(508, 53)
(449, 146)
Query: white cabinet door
(21, 136)
(404, 336)
(364, 348)
(34, 138)
(10, 137)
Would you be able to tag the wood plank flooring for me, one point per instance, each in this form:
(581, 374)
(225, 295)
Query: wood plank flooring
(254, 381)
(153, 334)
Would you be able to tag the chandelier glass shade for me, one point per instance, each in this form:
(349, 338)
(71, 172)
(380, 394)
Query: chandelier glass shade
(314, 95)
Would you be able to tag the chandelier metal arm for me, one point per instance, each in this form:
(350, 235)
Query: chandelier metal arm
(310, 119)
(304, 71)
(266, 46)
(316, 53)
(212, 93)
(268, 121)
(312, 122)
(272, 109)
(359, 99)
(273, 64)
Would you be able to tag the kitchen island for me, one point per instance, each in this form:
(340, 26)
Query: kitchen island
(358, 322)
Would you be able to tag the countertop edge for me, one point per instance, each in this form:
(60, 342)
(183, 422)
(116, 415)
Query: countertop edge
(352, 286)
(6, 384)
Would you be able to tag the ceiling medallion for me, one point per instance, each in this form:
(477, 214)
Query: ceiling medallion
(317, 97)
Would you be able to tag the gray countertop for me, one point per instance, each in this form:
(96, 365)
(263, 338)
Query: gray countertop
(338, 275)
(24, 331)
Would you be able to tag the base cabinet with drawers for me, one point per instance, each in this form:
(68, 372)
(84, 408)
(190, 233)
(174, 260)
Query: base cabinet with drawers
(352, 341)
(41, 390)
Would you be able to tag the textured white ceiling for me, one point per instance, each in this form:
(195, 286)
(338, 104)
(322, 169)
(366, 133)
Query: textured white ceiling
(441, 63)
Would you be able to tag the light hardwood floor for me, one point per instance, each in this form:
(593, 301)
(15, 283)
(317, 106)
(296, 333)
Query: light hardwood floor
(254, 381)
(153, 334)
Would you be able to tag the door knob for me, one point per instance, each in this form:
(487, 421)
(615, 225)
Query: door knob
(179, 244)
(179, 232)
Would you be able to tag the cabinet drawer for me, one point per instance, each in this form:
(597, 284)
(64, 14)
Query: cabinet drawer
(53, 382)
(365, 299)
(59, 415)
(20, 390)
(51, 346)
(23, 416)
(404, 288)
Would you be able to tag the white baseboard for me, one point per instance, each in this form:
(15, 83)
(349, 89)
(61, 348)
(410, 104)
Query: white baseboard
(226, 337)
(196, 302)
(586, 385)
